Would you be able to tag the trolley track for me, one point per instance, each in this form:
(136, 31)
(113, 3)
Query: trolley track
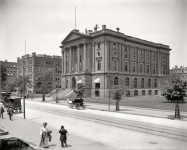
(169, 132)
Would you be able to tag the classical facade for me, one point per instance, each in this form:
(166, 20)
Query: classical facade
(103, 58)
(36, 66)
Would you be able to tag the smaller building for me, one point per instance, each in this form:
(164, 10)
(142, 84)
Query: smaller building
(11, 69)
(36, 66)
(181, 70)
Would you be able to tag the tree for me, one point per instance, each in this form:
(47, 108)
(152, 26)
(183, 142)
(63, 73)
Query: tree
(10, 86)
(117, 92)
(174, 89)
(79, 91)
(3, 77)
(22, 82)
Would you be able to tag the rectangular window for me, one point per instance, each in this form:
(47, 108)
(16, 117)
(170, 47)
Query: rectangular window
(154, 69)
(147, 68)
(99, 65)
(30, 69)
(125, 49)
(126, 56)
(115, 66)
(141, 68)
(164, 70)
(140, 52)
(134, 50)
(126, 66)
(134, 67)
(114, 46)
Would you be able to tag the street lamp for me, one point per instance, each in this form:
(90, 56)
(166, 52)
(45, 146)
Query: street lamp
(56, 92)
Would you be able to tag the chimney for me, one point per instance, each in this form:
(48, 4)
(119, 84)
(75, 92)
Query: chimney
(103, 27)
(117, 29)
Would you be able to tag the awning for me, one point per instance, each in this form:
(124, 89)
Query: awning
(97, 80)
(80, 81)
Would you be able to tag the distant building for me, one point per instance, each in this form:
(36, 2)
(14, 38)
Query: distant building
(36, 65)
(103, 58)
(11, 69)
(182, 71)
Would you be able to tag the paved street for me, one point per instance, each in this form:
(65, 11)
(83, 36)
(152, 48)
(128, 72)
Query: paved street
(94, 134)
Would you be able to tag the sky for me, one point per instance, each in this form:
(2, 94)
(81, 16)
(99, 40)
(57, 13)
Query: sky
(43, 24)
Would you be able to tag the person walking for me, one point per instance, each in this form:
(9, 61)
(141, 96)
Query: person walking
(10, 112)
(63, 136)
(2, 109)
(44, 136)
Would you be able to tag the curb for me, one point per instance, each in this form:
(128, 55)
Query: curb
(4, 132)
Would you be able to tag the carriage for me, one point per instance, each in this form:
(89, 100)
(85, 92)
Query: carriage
(76, 103)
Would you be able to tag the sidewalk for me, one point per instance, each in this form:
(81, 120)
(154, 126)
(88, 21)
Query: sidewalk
(28, 131)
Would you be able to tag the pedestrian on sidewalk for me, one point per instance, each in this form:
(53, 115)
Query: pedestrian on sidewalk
(63, 136)
(2, 109)
(10, 112)
(44, 136)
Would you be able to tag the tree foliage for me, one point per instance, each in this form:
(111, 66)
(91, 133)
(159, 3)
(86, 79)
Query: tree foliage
(22, 82)
(79, 91)
(174, 87)
(3, 77)
(116, 92)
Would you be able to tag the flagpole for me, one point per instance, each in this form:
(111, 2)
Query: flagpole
(24, 83)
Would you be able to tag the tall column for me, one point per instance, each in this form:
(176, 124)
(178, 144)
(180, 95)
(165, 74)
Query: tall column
(84, 58)
(78, 58)
(130, 62)
(151, 59)
(65, 53)
(62, 61)
(158, 62)
(70, 65)
(93, 57)
(168, 64)
(145, 62)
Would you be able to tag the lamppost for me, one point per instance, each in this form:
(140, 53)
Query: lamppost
(56, 92)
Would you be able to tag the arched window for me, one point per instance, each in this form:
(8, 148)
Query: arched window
(149, 83)
(135, 82)
(155, 83)
(149, 92)
(116, 81)
(127, 81)
(142, 83)
(135, 93)
(143, 92)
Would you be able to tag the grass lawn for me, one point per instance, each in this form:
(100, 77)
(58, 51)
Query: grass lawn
(153, 102)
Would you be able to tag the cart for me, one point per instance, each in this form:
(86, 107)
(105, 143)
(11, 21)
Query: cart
(15, 102)
(76, 103)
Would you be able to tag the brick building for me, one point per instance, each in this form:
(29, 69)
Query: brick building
(11, 69)
(36, 65)
(103, 58)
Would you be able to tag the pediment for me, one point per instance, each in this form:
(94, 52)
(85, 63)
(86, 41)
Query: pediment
(71, 37)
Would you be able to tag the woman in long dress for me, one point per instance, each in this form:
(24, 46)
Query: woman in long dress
(44, 138)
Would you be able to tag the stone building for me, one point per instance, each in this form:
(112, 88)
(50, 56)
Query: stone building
(103, 58)
(36, 66)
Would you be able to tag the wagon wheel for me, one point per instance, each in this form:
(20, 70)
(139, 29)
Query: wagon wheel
(83, 106)
(77, 105)
(20, 110)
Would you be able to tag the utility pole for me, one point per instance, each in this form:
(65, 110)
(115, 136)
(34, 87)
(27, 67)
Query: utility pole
(24, 83)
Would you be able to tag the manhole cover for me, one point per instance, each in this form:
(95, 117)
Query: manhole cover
(152, 142)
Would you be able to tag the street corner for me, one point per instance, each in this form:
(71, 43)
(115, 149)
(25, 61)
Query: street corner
(181, 117)
(3, 131)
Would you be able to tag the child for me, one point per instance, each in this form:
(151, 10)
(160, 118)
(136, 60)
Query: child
(63, 137)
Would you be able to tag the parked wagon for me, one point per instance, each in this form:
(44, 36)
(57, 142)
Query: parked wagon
(76, 103)
(15, 103)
